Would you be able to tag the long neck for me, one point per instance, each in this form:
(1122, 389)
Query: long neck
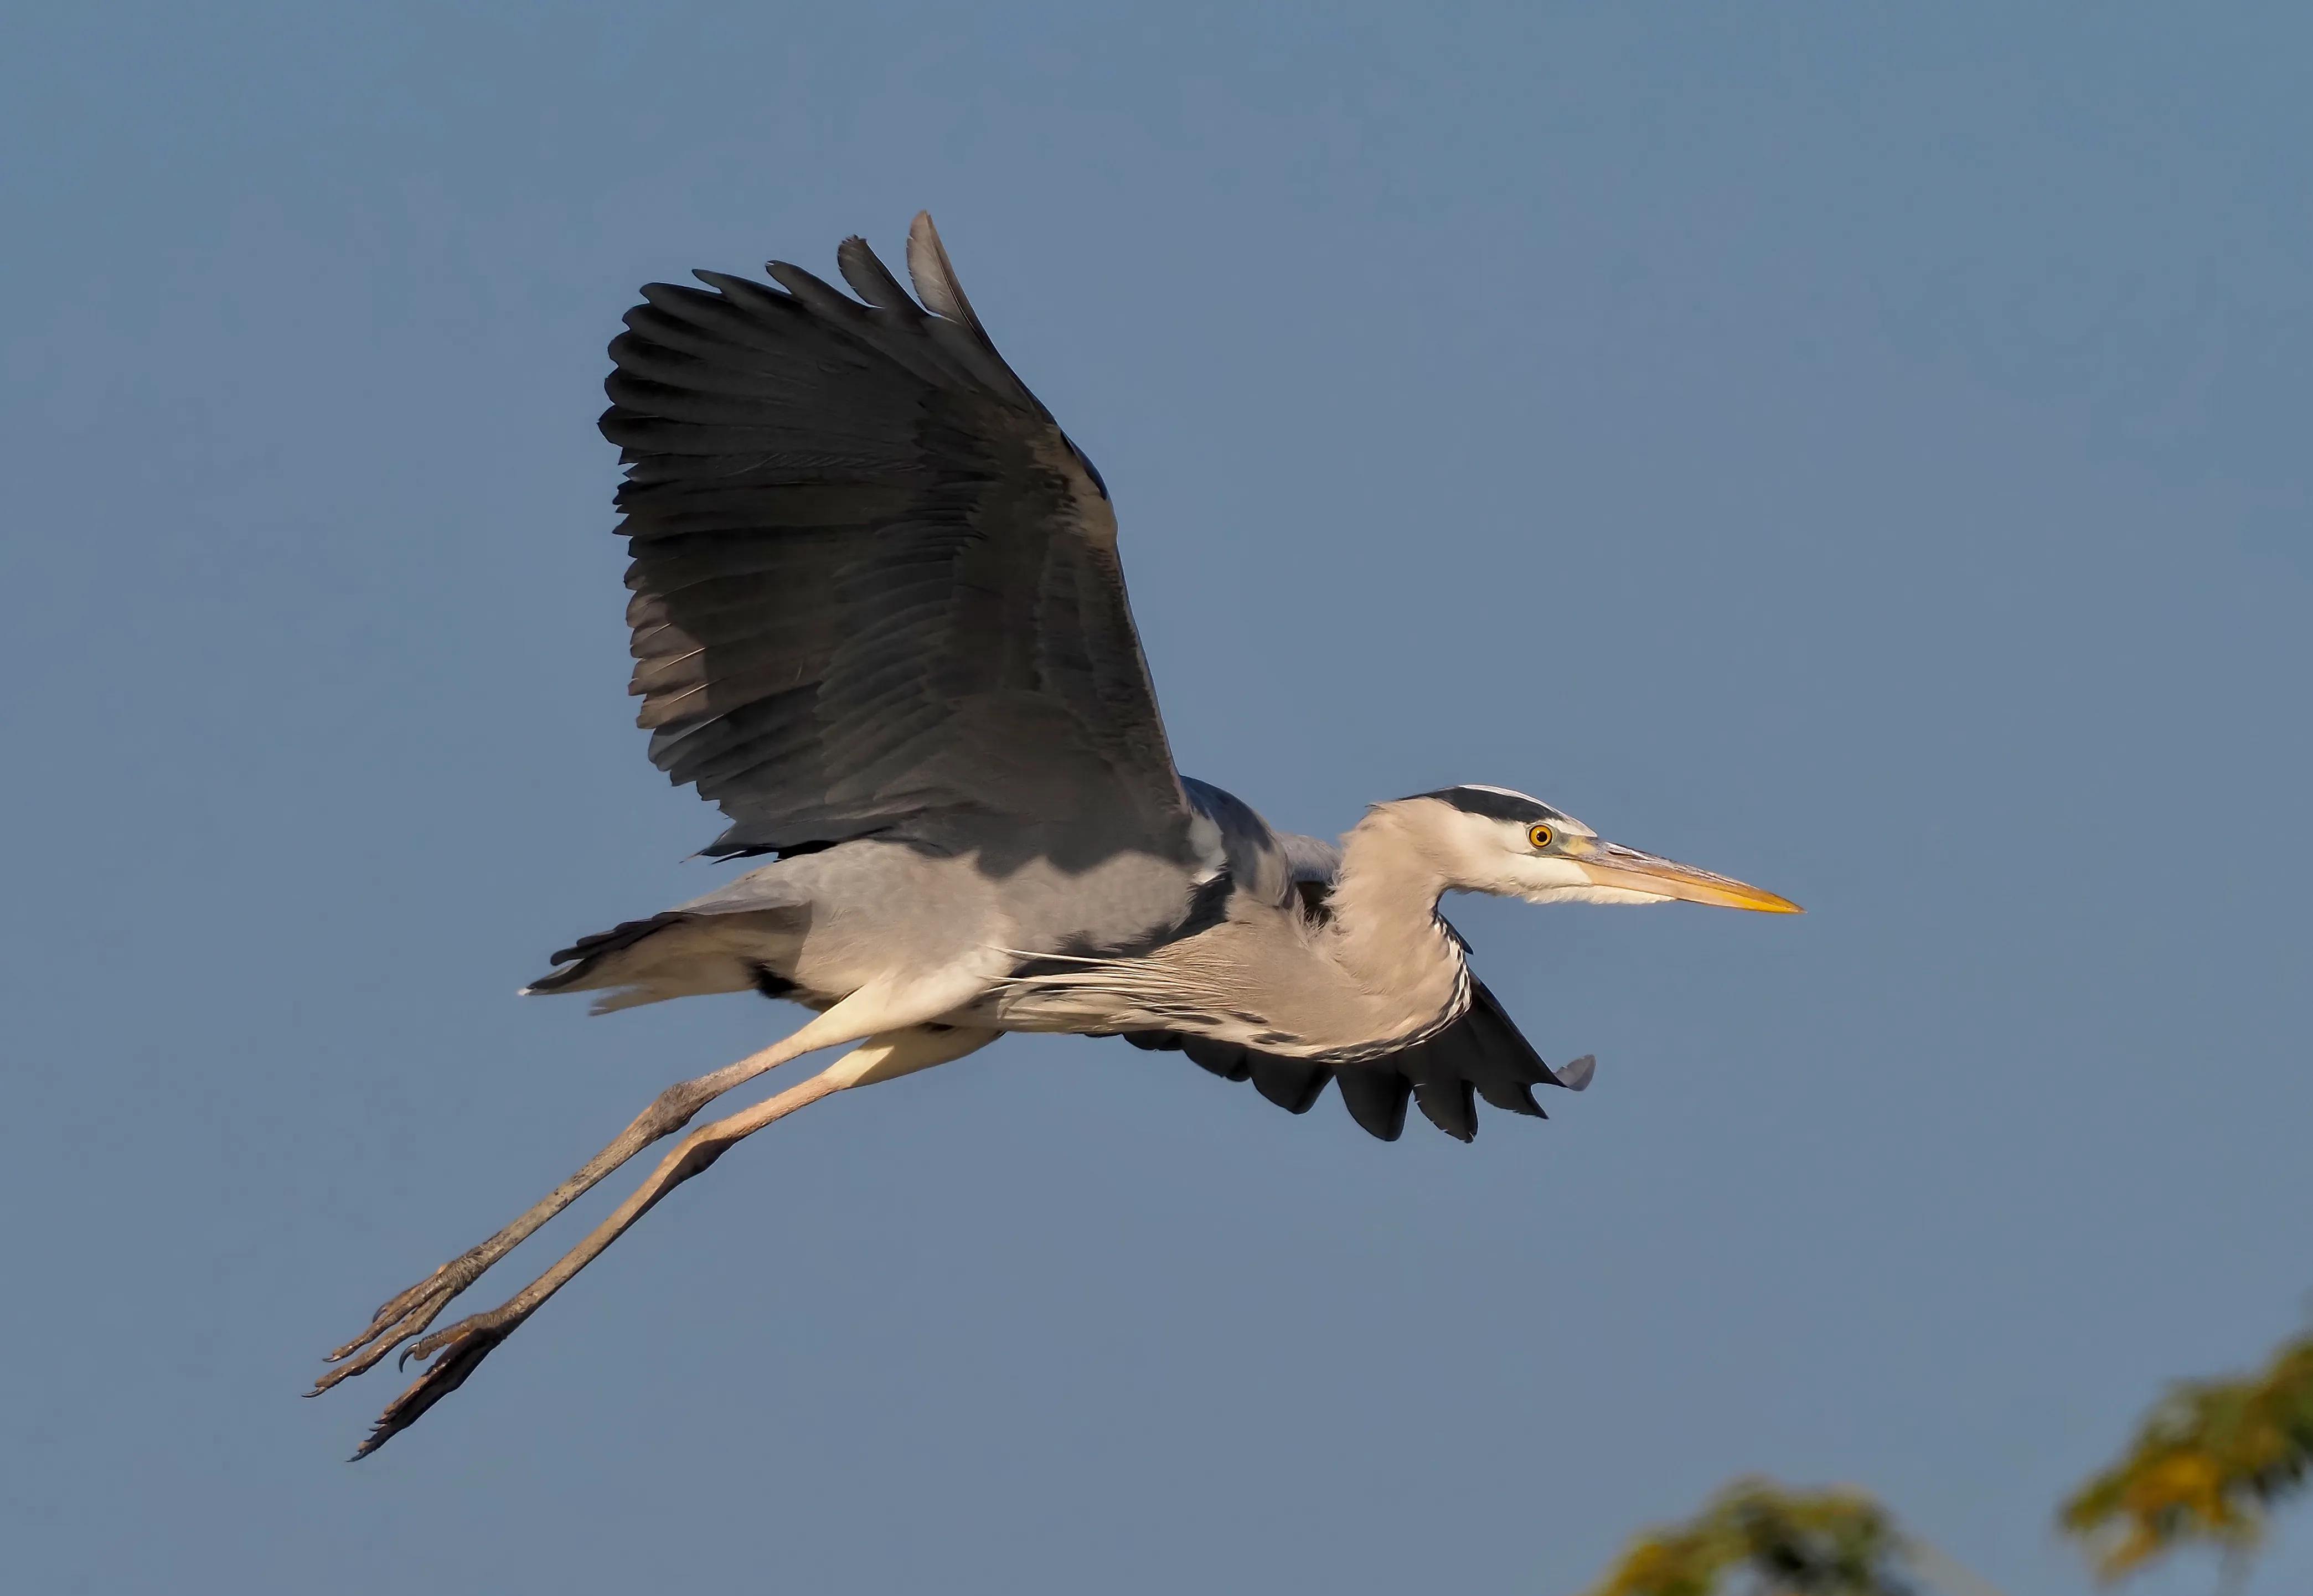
(1386, 935)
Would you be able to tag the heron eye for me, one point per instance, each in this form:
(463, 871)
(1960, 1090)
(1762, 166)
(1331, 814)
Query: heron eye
(1540, 836)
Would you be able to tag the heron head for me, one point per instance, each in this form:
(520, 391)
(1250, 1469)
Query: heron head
(1492, 839)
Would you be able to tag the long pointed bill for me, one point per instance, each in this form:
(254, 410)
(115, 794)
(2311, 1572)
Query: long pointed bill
(1611, 865)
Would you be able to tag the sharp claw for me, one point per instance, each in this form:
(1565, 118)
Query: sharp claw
(426, 1347)
(440, 1287)
(401, 1330)
(420, 1307)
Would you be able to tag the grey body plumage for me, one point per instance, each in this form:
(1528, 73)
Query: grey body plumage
(879, 619)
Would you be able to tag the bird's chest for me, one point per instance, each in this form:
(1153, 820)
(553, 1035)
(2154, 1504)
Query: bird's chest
(1278, 989)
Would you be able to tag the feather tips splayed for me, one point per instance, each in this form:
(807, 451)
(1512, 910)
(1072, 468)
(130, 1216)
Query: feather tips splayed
(1480, 1057)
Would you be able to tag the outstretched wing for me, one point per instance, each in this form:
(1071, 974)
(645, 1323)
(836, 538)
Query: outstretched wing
(873, 578)
(1481, 1055)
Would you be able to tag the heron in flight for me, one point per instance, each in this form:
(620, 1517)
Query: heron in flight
(879, 619)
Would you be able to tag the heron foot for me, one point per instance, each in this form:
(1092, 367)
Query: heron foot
(460, 1348)
(408, 1313)
(400, 1317)
(455, 1352)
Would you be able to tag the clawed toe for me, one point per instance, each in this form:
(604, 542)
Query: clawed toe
(498, 1324)
(396, 1321)
(453, 1352)
(392, 1310)
(450, 1355)
(461, 1347)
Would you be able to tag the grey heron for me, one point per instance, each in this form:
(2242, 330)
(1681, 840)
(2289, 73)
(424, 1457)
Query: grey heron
(879, 619)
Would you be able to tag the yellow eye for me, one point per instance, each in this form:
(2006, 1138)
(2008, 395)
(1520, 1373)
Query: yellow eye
(1540, 836)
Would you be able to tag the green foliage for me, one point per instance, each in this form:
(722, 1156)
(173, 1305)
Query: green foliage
(2206, 1466)
(1789, 1543)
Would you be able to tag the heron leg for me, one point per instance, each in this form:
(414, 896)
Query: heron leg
(464, 1345)
(407, 1313)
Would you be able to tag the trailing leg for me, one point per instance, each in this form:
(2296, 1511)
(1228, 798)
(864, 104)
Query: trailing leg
(464, 1345)
(407, 1313)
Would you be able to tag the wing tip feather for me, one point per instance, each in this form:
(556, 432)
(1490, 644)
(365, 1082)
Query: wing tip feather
(934, 275)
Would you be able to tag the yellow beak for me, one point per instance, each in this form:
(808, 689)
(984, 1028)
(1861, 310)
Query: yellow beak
(1611, 864)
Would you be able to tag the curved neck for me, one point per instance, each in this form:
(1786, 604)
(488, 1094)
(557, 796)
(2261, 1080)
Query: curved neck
(1386, 935)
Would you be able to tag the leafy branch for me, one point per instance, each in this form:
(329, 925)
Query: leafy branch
(1803, 1543)
(2207, 1465)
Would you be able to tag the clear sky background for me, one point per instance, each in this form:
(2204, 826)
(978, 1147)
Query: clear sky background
(1860, 448)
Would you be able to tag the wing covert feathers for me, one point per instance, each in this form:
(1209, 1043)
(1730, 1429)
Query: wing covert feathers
(1479, 1055)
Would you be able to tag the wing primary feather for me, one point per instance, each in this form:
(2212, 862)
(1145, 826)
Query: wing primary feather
(1293, 1084)
(871, 280)
(831, 505)
(821, 296)
(976, 361)
(1375, 1099)
(934, 275)
(747, 294)
(1228, 1060)
(1447, 1103)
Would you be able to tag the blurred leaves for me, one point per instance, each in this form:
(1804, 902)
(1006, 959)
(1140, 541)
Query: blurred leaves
(1788, 1543)
(2206, 1466)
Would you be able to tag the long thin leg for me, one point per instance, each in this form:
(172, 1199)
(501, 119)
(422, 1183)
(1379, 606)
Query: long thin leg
(409, 1312)
(464, 1345)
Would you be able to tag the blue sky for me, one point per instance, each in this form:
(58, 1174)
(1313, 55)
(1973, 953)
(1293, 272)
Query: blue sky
(1860, 449)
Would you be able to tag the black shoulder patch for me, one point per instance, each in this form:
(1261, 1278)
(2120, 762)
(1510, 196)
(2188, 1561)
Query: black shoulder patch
(1316, 901)
(1208, 907)
(1495, 805)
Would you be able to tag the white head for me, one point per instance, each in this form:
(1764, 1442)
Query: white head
(1492, 839)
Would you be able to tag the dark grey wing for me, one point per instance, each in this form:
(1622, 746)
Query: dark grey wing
(1265, 864)
(873, 579)
(1481, 1055)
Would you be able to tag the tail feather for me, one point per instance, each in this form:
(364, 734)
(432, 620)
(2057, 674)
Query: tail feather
(576, 962)
(679, 954)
